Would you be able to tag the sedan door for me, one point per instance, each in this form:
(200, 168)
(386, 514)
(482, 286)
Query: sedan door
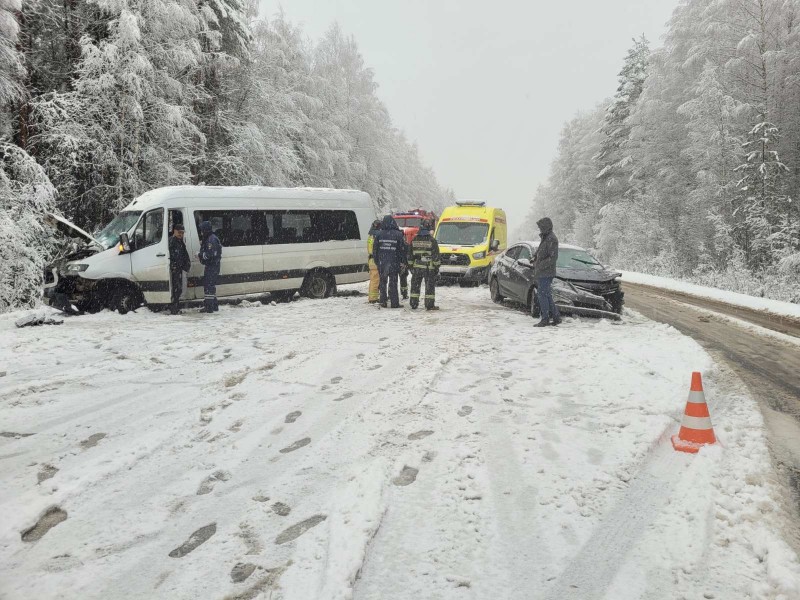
(504, 275)
(522, 274)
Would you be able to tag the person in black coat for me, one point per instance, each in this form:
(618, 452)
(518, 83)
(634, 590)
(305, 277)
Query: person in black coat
(179, 264)
(390, 255)
(211, 257)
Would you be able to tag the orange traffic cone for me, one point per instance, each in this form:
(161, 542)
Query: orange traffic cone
(696, 429)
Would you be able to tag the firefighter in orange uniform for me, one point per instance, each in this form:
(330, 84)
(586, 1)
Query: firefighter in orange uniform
(374, 277)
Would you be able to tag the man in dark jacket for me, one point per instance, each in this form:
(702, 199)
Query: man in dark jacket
(544, 270)
(179, 264)
(390, 254)
(424, 261)
(210, 256)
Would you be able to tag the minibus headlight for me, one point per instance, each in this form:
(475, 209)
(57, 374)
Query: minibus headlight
(479, 255)
(76, 268)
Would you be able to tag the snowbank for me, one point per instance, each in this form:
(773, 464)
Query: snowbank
(776, 307)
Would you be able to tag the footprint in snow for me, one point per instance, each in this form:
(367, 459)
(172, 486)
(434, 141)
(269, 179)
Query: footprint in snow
(199, 537)
(236, 427)
(296, 446)
(336, 380)
(46, 522)
(419, 435)
(505, 374)
(298, 529)
(407, 476)
(46, 472)
(16, 436)
(242, 571)
(293, 416)
(209, 482)
(374, 367)
(465, 410)
(281, 509)
(92, 440)
(344, 396)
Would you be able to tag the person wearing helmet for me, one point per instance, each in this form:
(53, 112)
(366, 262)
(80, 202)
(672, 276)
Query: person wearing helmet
(423, 258)
(374, 276)
(210, 257)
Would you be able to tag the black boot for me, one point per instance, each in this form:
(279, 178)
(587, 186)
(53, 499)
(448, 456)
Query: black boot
(556, 322)
(543, 323)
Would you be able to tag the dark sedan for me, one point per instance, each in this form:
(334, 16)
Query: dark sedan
(583, 286)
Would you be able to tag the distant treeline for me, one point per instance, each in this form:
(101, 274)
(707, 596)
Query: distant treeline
(693, 169)
(102, 100)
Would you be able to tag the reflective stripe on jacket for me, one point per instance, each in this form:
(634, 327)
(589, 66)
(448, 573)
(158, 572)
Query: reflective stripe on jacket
(423, 253)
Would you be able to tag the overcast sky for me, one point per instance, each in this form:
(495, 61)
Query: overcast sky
(485, 86)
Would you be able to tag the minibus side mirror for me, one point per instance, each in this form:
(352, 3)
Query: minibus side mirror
(124, 244)
(495, 245)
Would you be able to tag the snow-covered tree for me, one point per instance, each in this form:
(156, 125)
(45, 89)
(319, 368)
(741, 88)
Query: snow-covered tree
(26, 196)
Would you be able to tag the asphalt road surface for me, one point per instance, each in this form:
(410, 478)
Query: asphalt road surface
(767, 364)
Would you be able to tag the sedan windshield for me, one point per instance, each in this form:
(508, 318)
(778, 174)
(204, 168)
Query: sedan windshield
(462, 234)
(574, 259)
(122, 223)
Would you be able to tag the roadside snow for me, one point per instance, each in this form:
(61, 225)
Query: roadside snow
(786, 309)
(331, 450)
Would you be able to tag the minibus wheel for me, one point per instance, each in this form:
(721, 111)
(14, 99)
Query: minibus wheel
(125, 299)
(318, 285)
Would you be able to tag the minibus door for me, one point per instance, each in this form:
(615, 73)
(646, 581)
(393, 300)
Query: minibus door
(150, 257)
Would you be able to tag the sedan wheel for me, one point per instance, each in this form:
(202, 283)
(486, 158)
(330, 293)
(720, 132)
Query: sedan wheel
(494, 290)
(534, 305)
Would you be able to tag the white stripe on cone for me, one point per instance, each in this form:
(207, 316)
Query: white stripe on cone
(696, 398)
(696, 422)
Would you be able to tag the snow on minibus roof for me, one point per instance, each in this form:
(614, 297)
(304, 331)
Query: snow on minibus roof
(201, 192)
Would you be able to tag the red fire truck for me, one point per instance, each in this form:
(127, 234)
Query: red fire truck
(409, 221)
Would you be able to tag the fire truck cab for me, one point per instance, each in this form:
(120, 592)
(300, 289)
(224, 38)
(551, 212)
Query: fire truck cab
(410, 221)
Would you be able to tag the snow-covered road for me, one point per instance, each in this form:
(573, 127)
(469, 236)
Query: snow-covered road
(331, 450)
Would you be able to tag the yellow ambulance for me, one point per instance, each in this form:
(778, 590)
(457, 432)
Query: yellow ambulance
(470, 236)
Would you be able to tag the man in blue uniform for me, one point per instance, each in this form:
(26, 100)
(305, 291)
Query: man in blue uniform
(210, 256)
(390, 253)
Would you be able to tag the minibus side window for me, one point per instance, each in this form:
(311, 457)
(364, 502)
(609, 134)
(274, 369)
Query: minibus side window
(525, 253)
(150, 229)
(234, 228)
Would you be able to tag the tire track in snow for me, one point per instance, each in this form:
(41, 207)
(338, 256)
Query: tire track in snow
(593, 569)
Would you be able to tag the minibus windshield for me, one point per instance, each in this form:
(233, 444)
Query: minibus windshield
(462, 234)
(122, 223)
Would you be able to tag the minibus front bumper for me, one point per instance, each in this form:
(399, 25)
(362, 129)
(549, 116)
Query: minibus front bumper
(466, 274)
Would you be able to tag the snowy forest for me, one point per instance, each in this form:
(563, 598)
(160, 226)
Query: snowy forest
(692, 169)
(102, 100)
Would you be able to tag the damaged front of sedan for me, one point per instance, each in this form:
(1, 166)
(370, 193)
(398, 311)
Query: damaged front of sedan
(512, 277)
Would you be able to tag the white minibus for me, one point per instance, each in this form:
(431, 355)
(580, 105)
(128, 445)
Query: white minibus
(273, 240)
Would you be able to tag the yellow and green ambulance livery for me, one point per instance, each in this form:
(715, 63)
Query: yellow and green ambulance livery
(470, 236)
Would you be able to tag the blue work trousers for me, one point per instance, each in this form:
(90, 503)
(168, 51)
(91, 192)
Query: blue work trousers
(210, 288)
(546, 304)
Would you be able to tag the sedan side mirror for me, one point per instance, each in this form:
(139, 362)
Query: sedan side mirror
(124, 246)
(525, 263)
(495, 245)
